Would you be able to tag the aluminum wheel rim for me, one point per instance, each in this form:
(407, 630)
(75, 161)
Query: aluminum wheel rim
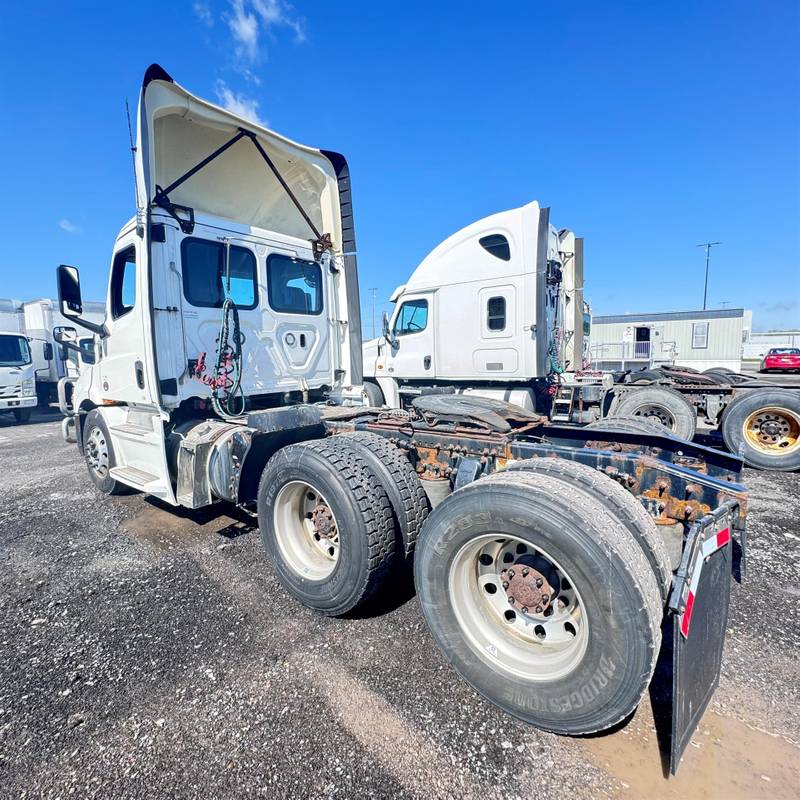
(306, 531)
(657, 414)
(97, 452)
(773, 430)
(533, 646)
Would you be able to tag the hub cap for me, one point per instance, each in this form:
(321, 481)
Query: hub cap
(774, 431)
(97, 452)
(306, 531)
(518, 607)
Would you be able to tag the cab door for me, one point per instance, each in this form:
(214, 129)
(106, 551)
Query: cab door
(412, 353)
(123, 377)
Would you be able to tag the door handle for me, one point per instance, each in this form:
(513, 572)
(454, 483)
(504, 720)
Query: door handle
(139, 369)
(426, 362)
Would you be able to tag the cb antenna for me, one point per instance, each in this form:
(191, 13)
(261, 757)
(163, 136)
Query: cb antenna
(133, 153)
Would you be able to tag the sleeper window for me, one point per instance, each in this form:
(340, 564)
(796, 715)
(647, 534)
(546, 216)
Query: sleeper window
(497, 245)
(123, 282)
(205, 274)
(412, 318)
(294, 285)
(496, 314)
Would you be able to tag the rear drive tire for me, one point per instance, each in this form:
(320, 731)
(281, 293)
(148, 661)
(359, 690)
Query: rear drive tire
(374, 394)
(98, 452)
(764, 427)
(22, 415)
(326, 524)
(661, 404)
(619, 502)
(630, 424)
(578, 670)
(402, 485)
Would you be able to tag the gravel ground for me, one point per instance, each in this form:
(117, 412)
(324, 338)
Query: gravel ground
(149, 653)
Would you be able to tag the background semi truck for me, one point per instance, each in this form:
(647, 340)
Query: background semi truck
(229, 368)
(17, 384)
(497, 311)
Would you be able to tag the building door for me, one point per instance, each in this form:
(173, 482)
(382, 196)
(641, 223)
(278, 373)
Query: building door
(641, 342)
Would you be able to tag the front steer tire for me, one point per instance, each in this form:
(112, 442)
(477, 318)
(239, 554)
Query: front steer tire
(364, 528)
(98, 453)
(620, 601)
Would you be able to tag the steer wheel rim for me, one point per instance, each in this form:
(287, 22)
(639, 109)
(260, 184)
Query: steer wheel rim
(306, 531)
(773, 431)
(542, 642)
(97, 452)
(657, 414)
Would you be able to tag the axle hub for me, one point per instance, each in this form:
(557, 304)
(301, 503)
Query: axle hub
(526, 588)
(324, 523)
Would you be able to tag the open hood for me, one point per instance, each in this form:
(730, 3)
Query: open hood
(257, 178)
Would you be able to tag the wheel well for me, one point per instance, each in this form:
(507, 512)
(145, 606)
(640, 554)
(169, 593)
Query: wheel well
(262, 448)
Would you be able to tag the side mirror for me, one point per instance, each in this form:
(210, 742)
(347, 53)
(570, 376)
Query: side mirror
(63, 334)
(48, 351)
(69, 291)
(387, 333)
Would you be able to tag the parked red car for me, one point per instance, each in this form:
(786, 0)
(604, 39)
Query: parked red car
(781, 359)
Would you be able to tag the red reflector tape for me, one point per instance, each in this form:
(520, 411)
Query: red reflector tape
(711, 545)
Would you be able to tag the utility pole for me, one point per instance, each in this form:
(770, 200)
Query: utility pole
(708, 246)
(373, 291)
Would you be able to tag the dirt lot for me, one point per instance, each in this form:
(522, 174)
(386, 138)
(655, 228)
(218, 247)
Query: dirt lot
(149, 653)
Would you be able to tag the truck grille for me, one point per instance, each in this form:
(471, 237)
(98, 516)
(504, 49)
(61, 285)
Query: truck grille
(15, 390)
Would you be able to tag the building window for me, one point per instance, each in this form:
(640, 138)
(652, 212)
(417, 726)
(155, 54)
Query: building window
(497, 245)
(496, 313)
(294, 285)
(412, 317)
(699, 335)
(123, 282)
(205, 274)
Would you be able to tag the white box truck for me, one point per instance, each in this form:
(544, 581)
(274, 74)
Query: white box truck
(228, 369)
(17, 383)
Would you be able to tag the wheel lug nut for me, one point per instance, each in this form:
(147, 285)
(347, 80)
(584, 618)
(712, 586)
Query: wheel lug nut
(524, 609)
(538, 609)
(525, 572)
(539, 583)
(505, 584)
(511, 573)
(511, 599)
(545, 598)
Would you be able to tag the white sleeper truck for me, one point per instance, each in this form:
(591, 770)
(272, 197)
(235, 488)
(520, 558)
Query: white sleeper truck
(17, 383)
(497, 311)
(228, 369)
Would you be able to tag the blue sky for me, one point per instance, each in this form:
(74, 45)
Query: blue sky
(647, 127)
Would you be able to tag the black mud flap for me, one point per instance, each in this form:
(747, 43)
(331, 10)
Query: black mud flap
(699, 602)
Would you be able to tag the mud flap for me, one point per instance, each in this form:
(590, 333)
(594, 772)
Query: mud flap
(699, 602)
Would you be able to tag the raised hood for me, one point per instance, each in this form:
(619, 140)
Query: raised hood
(178, 131)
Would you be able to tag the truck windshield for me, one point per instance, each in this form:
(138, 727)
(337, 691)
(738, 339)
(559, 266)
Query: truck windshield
(14, 351)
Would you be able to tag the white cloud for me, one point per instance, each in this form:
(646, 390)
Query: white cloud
(238, 103)
(68, 226)
(203, 12)
(244, 29)
(250, 18)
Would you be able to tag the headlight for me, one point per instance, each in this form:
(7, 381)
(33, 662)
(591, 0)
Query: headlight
(28, 386)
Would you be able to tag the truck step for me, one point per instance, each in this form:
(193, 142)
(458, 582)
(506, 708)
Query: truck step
(137, 478)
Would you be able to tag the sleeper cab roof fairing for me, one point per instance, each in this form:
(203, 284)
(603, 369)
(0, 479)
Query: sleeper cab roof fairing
(177, 131)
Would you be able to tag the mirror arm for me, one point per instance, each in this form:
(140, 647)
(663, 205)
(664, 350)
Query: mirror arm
(91, 326)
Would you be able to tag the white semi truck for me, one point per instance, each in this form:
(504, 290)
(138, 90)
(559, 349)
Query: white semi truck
(497, 311)
(228, 369)
(17, 383)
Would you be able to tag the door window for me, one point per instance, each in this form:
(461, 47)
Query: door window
(496, 313)
(123, 282)
(412, 317)
(294, 285)
(205, 274)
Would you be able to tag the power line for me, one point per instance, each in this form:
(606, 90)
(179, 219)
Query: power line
(708, 246)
